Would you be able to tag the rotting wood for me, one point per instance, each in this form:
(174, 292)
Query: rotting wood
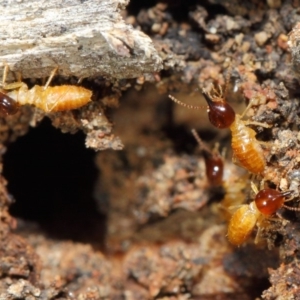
(82, 38)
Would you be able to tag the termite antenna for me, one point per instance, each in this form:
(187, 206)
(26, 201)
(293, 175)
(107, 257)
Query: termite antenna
(197, 138)
(291, 208)
(186, 105)
(202, 145)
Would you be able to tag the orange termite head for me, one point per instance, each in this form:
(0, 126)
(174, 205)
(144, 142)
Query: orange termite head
(268, 201)
(8, 106)
(220, 113)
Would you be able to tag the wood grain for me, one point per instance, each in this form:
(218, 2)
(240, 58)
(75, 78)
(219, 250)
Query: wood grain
(82, 38)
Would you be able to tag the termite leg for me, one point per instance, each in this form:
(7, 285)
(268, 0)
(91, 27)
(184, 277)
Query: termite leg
(258, 124)
(52, 107)
(5, 72)
(247, 108)
(251, 103)
(290, 199)
(254, 188)
(262, 184)
(258, 234)
(223, 152)
(12, 86)
(19, 76)
(202, 146)
(79, 81)
(266, 144)
(52, 74)
(9, 86)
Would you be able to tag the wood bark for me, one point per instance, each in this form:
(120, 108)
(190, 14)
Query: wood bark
(82, 38)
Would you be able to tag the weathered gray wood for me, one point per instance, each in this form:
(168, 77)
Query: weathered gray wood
(82, 38)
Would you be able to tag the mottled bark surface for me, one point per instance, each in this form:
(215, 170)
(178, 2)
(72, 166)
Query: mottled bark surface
(82, 38)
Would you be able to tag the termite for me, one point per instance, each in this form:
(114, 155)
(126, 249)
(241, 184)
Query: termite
(266, 203)
(214, 165)
(246, 148)
(48, 98)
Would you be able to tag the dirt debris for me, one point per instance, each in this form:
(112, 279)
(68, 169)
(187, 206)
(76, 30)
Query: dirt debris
(166, 228)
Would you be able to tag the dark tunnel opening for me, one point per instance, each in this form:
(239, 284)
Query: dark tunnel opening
(52, 176)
